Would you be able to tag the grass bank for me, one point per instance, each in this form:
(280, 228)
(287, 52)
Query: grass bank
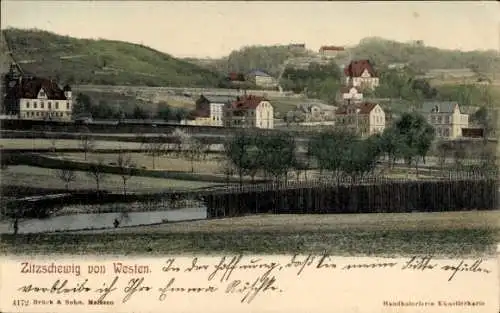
(464, 234)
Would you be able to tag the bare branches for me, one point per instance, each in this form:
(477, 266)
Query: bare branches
(96, 172)
(87, 144)
(126, 168)
(66, 175)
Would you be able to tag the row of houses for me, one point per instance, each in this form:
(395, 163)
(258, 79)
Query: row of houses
(245, 111)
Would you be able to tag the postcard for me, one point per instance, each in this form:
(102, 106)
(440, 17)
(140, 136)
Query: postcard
(249, 156)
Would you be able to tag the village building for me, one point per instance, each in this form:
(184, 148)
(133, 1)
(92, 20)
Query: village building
(209, 110)
(330, 51)
(446, 118)
(262, 79)
(315, 112)
(39, 98)
(364, 119)
(361, 73)
(249, 111)
(350, 94)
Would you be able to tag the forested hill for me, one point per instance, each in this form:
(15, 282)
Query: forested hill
(102, 62)
(380, 51)
(385, 52)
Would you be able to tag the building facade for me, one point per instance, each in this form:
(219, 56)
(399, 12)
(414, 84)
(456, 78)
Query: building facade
(364, 119)
(351, 94)
(330, 51)
(249, 112)
(262, 79)
(210, 109)
(41, 99)
(361, 73)
(446, 118)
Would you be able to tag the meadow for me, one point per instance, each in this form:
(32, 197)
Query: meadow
(31, 176)
(64, 144)
(464, 234)
(167, 163)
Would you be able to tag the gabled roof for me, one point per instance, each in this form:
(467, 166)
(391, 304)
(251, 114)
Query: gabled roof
(247, 102)
(331, 48)
(441, 106)
(29, 89)
(219, 98)
(347, 89)
(258, 73)
(356, 68)
(364, 108)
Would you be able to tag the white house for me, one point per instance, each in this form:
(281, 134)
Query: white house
(363, 118)
(351, 94)
(361, 74)
(211, 109)
(262, 79)
(446, 118)
(249, 111)
(41, 98)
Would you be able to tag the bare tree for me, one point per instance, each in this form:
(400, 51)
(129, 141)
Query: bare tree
(154, 146)
(126, 168)
(66, 175)
(87, 144)
(96, 172)
(193, 151)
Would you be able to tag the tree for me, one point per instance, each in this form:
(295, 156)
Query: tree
(87, 144)
(391, 143)
(154, 146)
(360, 156)
(277, 154)
(126, 168)
(164, 111)
(417, 136)
(327, 148)
(96, 172)
(236, 151)
(66, 175)
(193, 151)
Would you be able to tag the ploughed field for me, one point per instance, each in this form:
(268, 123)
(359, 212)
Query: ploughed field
(465, 234)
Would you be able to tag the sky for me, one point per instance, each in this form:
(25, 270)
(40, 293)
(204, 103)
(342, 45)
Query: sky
(213, 29)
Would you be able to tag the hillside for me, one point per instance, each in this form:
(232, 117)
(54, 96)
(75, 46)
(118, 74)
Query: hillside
(267, 58)
(102, 62)
(384, 52)
(381, 51)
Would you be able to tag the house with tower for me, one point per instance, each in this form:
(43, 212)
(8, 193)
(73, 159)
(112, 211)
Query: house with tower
(37, 98)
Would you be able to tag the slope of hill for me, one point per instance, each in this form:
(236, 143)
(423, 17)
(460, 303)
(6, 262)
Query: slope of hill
(104, 62)
(381, 51)
(384, 52)
(267, 58)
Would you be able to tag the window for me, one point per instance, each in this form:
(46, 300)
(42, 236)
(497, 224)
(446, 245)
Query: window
(34, 104)
(446, 132)
(49, 105)
(27, 105)
(41, 104)
(57, 105)
(42, 94)
(37, 113)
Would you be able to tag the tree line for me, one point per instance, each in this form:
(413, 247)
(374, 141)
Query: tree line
(338, 152)
(86, 105)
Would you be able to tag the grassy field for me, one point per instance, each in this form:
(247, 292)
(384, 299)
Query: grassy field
(43, 177)
(63, 143)
(464, 234)
(167, 163)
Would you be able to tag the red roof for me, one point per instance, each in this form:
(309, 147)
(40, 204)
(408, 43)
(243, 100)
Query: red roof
(356, 68)
(331, 48)
(247, 102)
(28, 88)
(364, 108)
